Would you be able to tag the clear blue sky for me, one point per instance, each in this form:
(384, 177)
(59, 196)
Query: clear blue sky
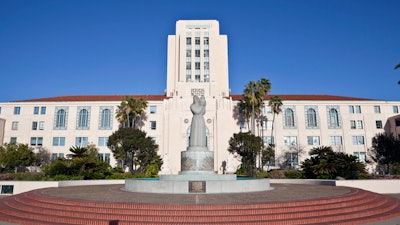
(96, 47)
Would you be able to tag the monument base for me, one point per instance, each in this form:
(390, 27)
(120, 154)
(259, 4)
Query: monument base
(175, 184)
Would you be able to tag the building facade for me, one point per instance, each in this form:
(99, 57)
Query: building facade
(198, 65)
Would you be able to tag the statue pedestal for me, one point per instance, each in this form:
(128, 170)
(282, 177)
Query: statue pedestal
(197, 160)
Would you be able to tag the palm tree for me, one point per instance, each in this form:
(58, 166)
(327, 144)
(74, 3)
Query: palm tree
(122, 113)
(137, 108)
(275, 103)
(253, 99)
(130, 111)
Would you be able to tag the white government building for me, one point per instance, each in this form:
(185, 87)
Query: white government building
(198, 65)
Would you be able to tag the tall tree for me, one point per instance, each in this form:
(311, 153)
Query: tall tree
(385, 150)
(131, 111)
(14, 156)
(133, 147)
(253, 100)
(248, 146)
(275, 103)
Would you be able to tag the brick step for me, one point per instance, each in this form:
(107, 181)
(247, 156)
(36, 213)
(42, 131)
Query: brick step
(351, 208)
(35, 196)
(364, 201)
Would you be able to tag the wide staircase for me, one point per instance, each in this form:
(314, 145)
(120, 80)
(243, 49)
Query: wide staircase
(356, 207)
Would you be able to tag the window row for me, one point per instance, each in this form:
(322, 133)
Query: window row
(101, 156)
(36, 110)
(60, 141)
(314, 140)
(83, 118)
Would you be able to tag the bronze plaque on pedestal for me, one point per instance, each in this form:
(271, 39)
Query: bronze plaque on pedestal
(197, 186)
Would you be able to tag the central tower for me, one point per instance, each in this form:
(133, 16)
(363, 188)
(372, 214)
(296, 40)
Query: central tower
(197, 60)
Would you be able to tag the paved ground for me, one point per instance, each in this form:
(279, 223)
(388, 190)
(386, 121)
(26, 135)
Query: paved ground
(281, 192)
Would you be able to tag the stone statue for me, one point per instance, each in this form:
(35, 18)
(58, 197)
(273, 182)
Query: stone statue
(198, 126)
(197, 159)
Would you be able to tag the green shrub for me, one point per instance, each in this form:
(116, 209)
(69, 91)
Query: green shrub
(30, 176)
(261, 174)
(117, 169)
(7, 176)
(119, 176)
(276, 174)
(60, 177)
(294, 174)
(394, 168)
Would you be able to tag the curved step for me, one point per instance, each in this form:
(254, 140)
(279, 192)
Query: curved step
(356, 207)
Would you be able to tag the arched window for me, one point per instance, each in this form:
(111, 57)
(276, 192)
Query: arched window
(311, 118)
(333, 118)
(83, 120)
(60, 118)
(289, 118)
(105, 121)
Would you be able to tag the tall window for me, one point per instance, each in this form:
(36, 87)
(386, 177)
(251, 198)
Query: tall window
(358, 109)
(61, 118)
(377, 109)
(395, 109)
(17, 110)
(34, 125)
(333, 118)
(289, 118)
(206, 41)
(292, 158)
(197, 40)
(206, 53)
(360, 124)
(41, 125)
(153, 125)
(36, 110)
(43, 110)
(352, 124)
(105, 118)
(107, 158)
(311, 118)
(378, 124)
(83, 119)
(351, 109)
(153, 109)
(14, 125)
